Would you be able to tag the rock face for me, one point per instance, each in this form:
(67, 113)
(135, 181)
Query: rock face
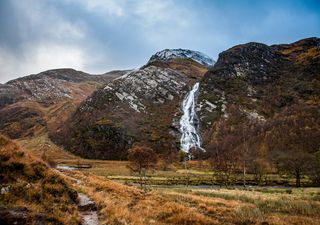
(39, 102)
(141, 106)
(256, 82)
(170, 54)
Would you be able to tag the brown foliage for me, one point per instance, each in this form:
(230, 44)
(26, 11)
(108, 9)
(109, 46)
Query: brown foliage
(141, 159)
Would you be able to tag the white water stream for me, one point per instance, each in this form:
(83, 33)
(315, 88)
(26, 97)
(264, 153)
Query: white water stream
(189, 122)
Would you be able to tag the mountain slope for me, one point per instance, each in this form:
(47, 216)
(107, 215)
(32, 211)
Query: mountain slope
(36, 103)
(259, 87)
(250, 84)
(32, 193)
(141, 106)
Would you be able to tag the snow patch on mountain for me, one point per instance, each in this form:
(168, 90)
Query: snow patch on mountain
(169, 54)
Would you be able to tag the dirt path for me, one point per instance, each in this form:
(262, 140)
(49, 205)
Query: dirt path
(87, 207)
(88, 210)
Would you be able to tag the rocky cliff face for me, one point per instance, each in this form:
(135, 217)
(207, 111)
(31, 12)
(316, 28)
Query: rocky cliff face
(39, 102)
(141, 106)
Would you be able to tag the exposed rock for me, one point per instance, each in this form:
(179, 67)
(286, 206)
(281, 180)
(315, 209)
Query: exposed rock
(85, 203)
(88, 210)
(50, 86)
(90, 218)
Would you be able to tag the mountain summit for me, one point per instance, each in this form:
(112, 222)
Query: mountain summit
(169, 54)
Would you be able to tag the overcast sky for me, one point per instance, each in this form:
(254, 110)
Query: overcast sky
(97, 36)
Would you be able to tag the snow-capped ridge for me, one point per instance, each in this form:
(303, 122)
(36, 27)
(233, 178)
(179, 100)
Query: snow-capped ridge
(169, 54)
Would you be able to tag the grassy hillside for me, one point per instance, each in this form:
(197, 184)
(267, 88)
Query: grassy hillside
(28, 186)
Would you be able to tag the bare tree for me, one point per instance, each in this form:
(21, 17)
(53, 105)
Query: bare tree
(141, 159)
(295, 163)
(259, 168)
(314, 173)
(223, 161)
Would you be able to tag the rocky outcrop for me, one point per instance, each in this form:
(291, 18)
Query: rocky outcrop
(85, 203)
(253, 61)
(249, 82)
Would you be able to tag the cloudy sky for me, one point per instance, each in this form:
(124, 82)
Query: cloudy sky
(97, 36)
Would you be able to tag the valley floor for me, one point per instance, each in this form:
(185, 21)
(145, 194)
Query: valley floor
(119, 199)
(123, 204)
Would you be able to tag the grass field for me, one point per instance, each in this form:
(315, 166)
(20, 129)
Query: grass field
(122, 204)
(199, 172)
(176, 174)
(111, 185)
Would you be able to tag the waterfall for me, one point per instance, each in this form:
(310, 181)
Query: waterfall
(189, 122)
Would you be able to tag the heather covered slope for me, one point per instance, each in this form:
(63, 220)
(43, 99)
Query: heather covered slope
(260, 106)
(32, 193)
(256, 82)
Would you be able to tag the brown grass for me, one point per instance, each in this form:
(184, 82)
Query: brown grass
(34, 186)
(122, 204)
(300, 55)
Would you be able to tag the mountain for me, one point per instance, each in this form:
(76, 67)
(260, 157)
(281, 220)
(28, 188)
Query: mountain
(39, 102)
(262, 97)
(251, 85)
(141, 106)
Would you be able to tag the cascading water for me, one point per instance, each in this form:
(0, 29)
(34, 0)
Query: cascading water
(189, 122)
